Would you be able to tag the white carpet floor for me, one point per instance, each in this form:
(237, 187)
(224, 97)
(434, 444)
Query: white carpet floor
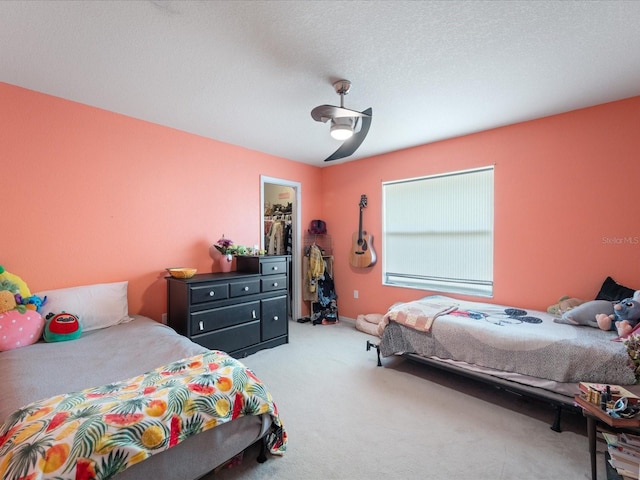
(349, 419)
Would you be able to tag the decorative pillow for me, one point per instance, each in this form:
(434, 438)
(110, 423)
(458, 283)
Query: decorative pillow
(585, 314)
(97, 306)
(613, 291)
(19, 329)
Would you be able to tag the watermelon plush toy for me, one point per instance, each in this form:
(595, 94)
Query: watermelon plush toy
(60, 327)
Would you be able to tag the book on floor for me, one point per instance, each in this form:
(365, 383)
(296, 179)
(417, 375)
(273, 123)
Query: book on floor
(624, 464)
(629, 439)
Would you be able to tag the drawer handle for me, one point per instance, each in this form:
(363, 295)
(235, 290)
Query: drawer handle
(275, 318)
(253, 314)
(212, 293)
(275, 284)
(275, 268)
(246, 289)
(201, 325)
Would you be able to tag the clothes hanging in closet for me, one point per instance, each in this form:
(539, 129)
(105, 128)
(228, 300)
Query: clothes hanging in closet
(278, 235)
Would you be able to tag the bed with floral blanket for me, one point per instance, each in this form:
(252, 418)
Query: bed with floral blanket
(68, 412)
(519, 350)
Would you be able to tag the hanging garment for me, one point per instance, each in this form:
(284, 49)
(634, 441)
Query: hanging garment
(316, 267)
(288, 236)
(276, 238)
(307, 294)
(326, 290)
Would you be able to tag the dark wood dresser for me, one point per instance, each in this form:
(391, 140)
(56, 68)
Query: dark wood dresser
(238, 312)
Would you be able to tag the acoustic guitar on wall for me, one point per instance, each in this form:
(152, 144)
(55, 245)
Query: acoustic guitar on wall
(362, 254)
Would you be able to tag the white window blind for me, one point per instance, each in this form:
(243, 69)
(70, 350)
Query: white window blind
(438, 232)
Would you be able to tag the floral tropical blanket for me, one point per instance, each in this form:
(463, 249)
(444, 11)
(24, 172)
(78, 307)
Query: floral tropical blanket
(98, 432)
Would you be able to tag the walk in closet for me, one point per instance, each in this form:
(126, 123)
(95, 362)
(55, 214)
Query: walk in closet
(279, 229)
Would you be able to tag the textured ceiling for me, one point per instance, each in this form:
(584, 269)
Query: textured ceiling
(249, 72)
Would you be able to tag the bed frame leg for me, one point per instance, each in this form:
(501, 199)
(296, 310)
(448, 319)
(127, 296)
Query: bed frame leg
(262, 456)
(377, 347)
(556, 421)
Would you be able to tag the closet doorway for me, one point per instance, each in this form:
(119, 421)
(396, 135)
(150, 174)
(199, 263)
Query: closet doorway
(280, 199)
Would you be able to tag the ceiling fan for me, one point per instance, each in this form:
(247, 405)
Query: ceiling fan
(344, 122)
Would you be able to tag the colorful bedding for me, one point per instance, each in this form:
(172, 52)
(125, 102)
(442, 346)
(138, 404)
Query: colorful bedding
(98, 432)
(506, 339)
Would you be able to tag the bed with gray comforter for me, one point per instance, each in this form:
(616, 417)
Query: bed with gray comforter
(108, 355)
(524, 351)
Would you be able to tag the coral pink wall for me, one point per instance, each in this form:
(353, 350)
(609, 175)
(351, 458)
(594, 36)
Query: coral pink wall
(566, 197)
(92, 196)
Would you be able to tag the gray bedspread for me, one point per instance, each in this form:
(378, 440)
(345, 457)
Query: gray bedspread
(119, 352)
(486, 335)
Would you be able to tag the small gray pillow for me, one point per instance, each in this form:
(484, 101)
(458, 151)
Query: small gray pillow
(585, 314)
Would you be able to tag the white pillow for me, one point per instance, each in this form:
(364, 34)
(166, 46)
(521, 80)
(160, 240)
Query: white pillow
(97, 306)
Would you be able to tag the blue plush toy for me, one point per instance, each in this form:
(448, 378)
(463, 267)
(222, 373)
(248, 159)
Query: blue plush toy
(625, 316)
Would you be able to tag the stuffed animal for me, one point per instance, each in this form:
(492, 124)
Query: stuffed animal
(61, 327)
(585, 314)
(19, 326)
(9, 297)
(564, 304)
(34, 302)
(22, 286)
(622, 316)
(626, 315)
(7, 301)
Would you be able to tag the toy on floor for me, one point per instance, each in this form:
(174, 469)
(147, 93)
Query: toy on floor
(369, 323)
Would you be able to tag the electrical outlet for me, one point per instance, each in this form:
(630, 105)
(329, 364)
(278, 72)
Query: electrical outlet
(355, 294)
(164, 318)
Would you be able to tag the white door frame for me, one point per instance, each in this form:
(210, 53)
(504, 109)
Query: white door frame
(296, 266)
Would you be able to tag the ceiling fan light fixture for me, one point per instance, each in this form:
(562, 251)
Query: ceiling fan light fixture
(341, 130)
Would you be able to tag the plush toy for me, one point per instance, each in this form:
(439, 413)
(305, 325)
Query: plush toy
(9, 298)
(564, 304)
(621, 316)
(34, 302)
(585, 314)
(7, 301)
(61, 327)
(22, 286)
(19, 326)
(626, 315)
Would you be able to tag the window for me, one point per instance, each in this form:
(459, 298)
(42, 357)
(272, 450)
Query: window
(438, 232)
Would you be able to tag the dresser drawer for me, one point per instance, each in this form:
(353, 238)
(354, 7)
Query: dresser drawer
(245, 287)
(273, 268)
(225, 311)
(231, 338)
(209, 292)
(274, 317)
(216, 318)
(274, 282)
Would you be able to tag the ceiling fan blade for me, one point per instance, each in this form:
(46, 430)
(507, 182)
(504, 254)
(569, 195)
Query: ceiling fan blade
(351, 145)
(324, 113)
